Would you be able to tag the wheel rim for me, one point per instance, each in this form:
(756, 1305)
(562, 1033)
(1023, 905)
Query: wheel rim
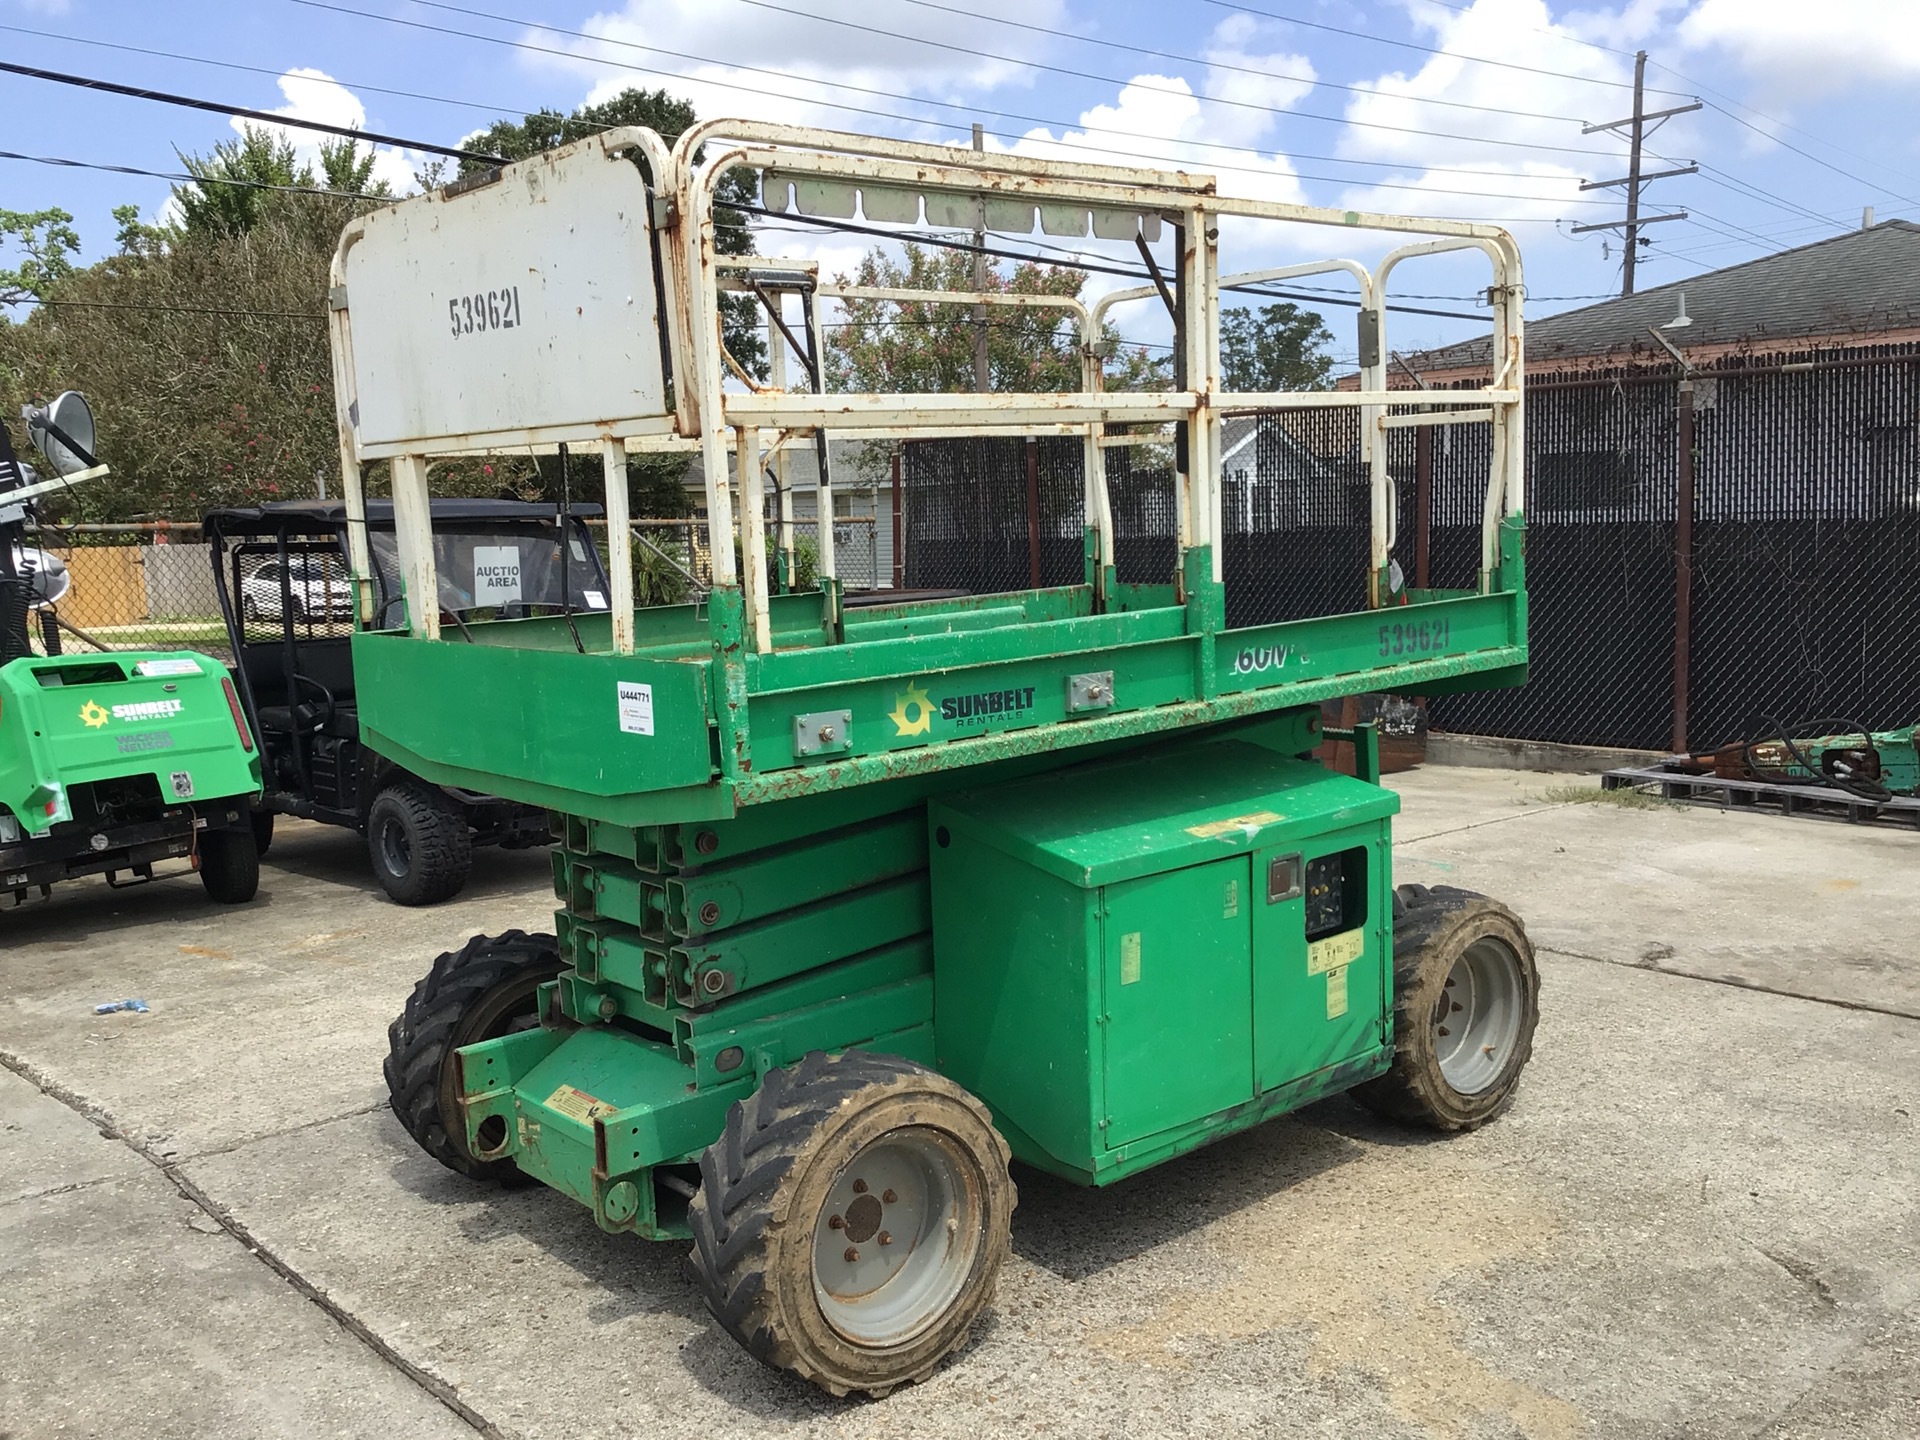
(395, 851)
(1477, 1017)
(898, 1237)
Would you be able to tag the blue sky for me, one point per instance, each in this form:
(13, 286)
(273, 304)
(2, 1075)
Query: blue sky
(1381, 104)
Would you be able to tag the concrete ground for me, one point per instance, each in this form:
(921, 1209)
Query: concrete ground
(1700, 1220)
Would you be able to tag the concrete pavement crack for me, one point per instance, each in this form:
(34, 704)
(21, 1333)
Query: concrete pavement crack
(103, 1121)
(1733, 982)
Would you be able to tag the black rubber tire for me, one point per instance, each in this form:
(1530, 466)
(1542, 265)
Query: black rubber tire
(1431, 929)
(262, 822)
(230, 865)
(419, 842)
(481, 991)
(763, 1185)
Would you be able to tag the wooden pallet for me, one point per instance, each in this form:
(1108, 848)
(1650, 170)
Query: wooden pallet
(1820, 800)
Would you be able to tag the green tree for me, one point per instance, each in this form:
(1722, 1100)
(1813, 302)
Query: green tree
(48, 243)
(203, 346)
(919, 346)
(1277, 347)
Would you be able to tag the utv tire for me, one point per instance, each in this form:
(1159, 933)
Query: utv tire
(262, 822)
(485, 989)
(230, 865)
(1466, 1001)
(419, 842)
(852, 1219)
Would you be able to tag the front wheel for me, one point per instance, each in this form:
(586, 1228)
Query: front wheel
(487, 988)
(852, 1219)
(1466, 1002)
(419, 842)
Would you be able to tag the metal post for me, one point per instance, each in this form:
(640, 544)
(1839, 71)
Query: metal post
(982, 373)
(899, 527)
(1033, 513)
(1683, 569)
(1422, 506)
(619, 546)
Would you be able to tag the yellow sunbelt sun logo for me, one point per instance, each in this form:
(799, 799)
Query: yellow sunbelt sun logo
(94, 715)
(912, 712)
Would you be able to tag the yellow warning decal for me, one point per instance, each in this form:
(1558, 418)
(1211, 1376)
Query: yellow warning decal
(1336, 993)
(576, 1104)
(1335, 951)
(1246, 824)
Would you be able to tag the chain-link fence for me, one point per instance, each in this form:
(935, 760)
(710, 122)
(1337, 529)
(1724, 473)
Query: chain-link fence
(1805, 517)
(130, 587)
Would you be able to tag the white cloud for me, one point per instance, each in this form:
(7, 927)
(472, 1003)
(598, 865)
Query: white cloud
(708, 54)
(1801, 50)
(1430, 143)
(315, 95)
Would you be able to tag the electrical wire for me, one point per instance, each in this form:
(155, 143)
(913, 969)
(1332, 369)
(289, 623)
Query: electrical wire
(1225, 65)
(1413, 45)
(189, 178)
(267, 116)
(1073, 74)
(168, 309)
(1011, 136)
(575, 55)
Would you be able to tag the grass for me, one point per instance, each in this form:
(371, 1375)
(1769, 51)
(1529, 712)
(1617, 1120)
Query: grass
(1625, 799)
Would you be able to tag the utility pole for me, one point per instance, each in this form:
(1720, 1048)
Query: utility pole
(982, 376)
(1637, 132)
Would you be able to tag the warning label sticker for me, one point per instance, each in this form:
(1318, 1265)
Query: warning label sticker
(1334, 951)
(1248, 825)
(636, 707)
(578, 1105)
(1336, 993)
(1130, 957)
(496, 574)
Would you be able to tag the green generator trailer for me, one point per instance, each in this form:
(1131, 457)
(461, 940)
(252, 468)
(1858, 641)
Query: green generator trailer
(859, 903)
(110, 763)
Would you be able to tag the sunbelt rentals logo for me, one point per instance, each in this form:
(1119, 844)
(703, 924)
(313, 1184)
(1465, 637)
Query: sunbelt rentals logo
(914, 709)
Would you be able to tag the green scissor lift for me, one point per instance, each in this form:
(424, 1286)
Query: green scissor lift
(858, 903)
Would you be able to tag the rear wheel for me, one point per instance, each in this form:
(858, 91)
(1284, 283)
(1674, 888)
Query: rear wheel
(230, 865)
(485, 989)
(852, 1219)
(419, 842)
(1466, 1001)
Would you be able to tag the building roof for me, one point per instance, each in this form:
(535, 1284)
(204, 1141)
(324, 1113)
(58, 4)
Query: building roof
(1863, 283)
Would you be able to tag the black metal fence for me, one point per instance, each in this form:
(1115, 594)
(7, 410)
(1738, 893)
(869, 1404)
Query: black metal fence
(1805, 533)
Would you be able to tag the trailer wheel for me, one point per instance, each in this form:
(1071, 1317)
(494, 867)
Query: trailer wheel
(852, 1219)
(420, 844)
(1466, 1001)
(230, 865)
(485, 989)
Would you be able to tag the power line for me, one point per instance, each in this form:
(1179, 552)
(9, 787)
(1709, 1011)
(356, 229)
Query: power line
(190, 178)
(275, 73)
(1413, 45)
(1179, 94)
(171, 309)
(492, 109)
(1310, 80)
(188, 102)
(575, 55)
(1785, 144)
(1775, 120)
